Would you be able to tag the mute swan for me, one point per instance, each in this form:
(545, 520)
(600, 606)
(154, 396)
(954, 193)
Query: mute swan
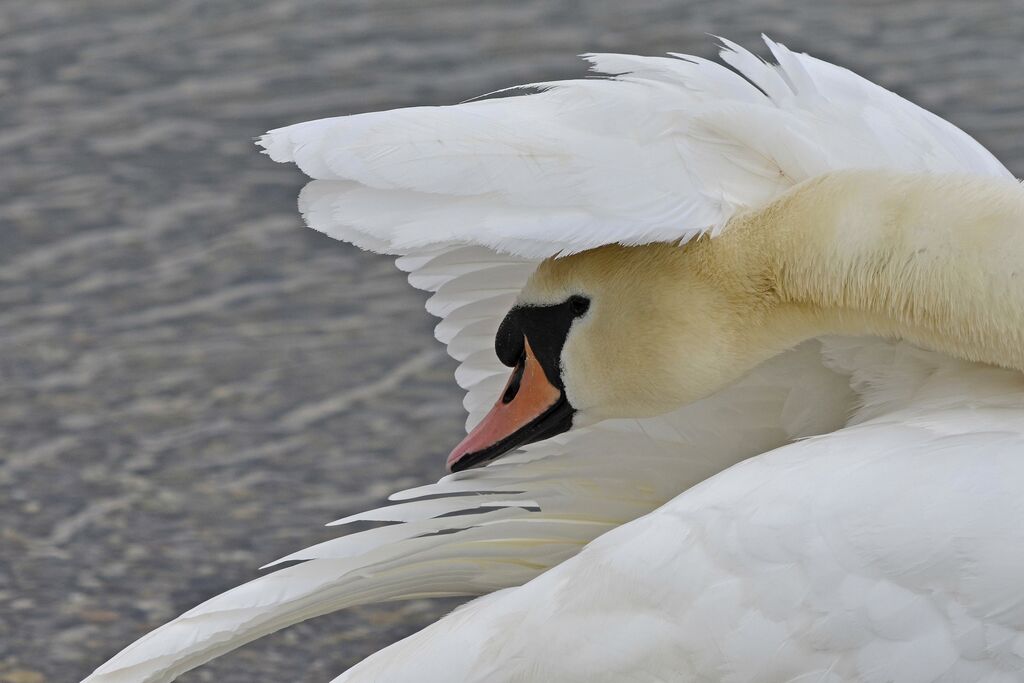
(685, 268)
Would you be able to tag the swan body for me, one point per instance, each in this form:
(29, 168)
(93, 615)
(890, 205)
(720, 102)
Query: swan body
(860, 555)
(696, 265)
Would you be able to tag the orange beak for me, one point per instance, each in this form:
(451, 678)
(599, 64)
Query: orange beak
(531, 408)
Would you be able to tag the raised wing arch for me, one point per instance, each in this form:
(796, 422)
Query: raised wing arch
(471, 197)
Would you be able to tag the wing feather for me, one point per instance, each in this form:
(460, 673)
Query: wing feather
(554, 497)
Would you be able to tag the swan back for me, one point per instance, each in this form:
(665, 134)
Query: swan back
(890, 550)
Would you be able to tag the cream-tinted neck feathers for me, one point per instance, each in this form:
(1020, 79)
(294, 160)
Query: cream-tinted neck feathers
(935, 260)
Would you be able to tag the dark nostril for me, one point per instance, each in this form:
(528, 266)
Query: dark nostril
(513, 383)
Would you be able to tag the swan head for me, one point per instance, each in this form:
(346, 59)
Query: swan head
(613, 332)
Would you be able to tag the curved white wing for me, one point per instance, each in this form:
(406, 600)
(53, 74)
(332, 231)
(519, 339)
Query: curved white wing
(470, 197)
(518, 516)
(891, 550)
(659, 150)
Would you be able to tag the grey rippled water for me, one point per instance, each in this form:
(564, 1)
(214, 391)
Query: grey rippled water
(191, 382)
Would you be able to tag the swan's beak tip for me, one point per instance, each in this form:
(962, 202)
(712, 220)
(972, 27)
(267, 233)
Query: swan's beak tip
(531, 408)
(454, 457)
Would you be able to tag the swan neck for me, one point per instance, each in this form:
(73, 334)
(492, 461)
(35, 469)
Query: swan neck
(935, 260)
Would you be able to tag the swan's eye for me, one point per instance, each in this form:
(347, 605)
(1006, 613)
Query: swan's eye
(578, 305)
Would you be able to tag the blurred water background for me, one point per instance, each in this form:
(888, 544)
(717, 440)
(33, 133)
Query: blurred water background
(191, 382)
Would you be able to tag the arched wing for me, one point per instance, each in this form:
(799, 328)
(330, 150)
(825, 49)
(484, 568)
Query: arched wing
(656, 149)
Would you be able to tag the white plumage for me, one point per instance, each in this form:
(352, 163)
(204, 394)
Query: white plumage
(890, 550)
(886, 549)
